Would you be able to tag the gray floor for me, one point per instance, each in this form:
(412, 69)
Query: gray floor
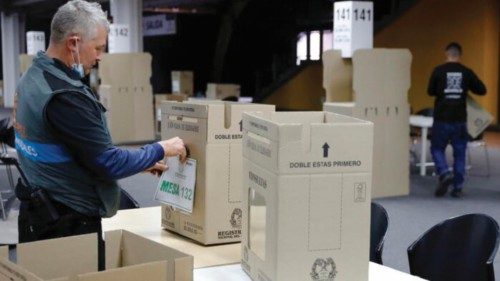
(409, 216)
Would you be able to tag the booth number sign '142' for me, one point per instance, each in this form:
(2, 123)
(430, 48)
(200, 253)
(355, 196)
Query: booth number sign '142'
(176, 186)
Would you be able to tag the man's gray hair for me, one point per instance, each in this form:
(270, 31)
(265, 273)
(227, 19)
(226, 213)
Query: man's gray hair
(77, 16)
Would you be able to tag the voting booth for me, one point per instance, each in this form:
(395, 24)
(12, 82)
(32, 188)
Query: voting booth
(374, 86)
(127, 94)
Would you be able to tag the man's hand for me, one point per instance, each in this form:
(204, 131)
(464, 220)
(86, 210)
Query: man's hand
(157, 169)
(173, 147)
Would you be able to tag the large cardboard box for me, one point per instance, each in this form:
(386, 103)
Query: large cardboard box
(222, 91)
(4, 252)
(125, 69)
(212, 130)
(376, 85)
(128, 257)
(182, 82)
(478, 119)
(130, 116)
(158, 98)
(306, 196)
(25, 62)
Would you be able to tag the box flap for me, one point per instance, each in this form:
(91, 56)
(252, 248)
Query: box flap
(139, 250)
(12, 272)
(59, 256)
(113, 248)
(153, 271)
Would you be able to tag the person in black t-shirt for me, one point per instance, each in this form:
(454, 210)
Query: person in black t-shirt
(449, 84)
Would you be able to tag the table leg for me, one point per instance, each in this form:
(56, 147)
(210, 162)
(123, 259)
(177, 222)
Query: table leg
(423, 152)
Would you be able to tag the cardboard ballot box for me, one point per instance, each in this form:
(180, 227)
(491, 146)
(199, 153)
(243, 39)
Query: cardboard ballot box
(374, 86)
(129, 112)
(222, 91)
(129, 257)
(182, 82)
(212, 130)
(478, 119)
(306, 196)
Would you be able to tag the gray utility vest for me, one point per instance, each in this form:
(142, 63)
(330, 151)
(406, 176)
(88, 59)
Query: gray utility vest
(48, 164)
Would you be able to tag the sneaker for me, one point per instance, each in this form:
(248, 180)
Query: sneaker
(445, 180)
(457, 193)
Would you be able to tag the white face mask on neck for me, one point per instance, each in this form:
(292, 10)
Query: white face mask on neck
(77, 67)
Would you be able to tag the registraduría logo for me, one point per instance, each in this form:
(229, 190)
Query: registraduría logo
(236, 218)
(323, 270)
(168, 212)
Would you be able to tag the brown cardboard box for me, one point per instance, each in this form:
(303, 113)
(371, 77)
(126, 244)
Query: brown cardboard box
(125, 69)
(129, 112)
(212, 131)
(4, 252)
(128, 257)
(478, 119)
(222, 91)
(380, 81)
(182, 82)
(306, 197)
(158, 98)
(25, 62)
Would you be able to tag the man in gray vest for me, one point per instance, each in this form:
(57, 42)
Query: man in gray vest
(62, 139)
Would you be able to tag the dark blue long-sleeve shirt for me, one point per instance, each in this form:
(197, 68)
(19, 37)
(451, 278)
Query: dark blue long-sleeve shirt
(79, 126)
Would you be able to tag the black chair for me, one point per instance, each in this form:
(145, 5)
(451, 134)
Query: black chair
(7, 135)
(458, 249)
(127, 202)
(378, 229)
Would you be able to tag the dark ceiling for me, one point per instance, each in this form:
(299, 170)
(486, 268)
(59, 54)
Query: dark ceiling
(45, 8)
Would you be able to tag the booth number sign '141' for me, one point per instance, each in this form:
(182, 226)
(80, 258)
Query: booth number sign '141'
(352, 26)
(176, 186)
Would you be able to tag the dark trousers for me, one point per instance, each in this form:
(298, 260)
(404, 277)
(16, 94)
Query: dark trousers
(33, 227)
(456, 135)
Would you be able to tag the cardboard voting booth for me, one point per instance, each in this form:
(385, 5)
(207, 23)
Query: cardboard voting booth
(212, 130)
(129, 112)
(222, 91)
(126, 93)
(129, 257)
(478, 119)
(182, 82)
(374, 86)
(25, 62)
(306, 196)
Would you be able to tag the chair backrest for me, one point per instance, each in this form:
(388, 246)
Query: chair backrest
(378, 229)
(7, 135)
(458, 249)
(126, 201)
